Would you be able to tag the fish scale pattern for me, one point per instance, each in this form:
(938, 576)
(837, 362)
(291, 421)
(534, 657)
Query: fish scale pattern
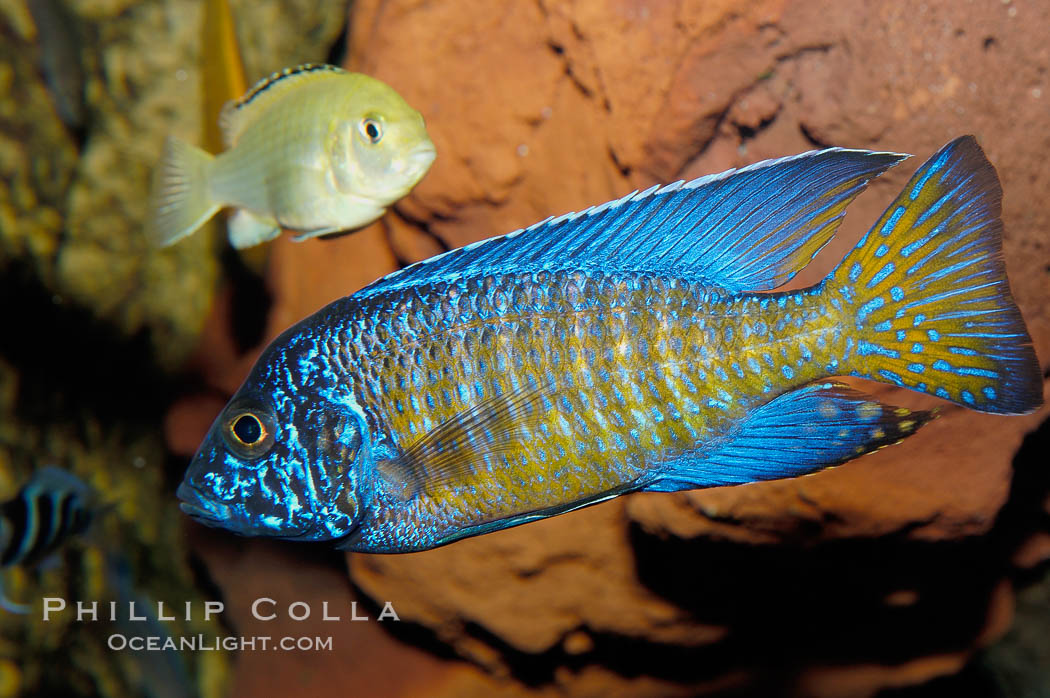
(630, 370)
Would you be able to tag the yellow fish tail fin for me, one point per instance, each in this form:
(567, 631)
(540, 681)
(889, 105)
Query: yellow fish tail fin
(181, 200)
(928, 288)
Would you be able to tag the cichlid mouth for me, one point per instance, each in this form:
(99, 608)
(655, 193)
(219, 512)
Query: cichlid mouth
(199, 508)
(421, 158)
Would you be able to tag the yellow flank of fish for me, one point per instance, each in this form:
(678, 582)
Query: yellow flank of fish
(313, 149)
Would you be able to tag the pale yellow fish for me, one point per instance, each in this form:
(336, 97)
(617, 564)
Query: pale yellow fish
(313, 149)
(223, 79)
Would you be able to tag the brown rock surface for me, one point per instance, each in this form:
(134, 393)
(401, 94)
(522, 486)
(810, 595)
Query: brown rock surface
(872, 575)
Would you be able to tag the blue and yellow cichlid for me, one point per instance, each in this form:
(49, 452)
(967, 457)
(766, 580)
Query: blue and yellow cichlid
(634, 346)
(313, 149)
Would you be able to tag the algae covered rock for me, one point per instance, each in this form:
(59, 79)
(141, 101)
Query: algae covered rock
(76, 215)
(133, 552)
(96, 322)
(38, 156)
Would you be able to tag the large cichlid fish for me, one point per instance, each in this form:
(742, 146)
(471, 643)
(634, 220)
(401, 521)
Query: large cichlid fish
(633, 346)
(313, 149)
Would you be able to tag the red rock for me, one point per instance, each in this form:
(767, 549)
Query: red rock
(1000, 614)
(864, 681)
(756, 108)
(1034, 551)
(363, 658)
(303, 278)
(548, 587)
(187, 422)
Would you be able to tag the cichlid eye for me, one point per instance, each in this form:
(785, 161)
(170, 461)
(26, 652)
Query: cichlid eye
(372, 130)
(248, 429)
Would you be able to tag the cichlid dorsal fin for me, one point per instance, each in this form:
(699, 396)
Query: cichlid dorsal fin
(51, 478)
(814, 427)
(456, 450)
(750, 229)
(238, 114)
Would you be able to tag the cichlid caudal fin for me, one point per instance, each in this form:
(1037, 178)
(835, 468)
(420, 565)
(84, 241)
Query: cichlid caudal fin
(928, 286)
(180, 201)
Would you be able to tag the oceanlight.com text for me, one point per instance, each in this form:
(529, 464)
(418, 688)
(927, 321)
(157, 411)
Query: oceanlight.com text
(196, 643)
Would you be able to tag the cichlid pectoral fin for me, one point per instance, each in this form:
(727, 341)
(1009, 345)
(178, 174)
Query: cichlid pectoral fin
(458, 450)
(815, 427)
(247, 230)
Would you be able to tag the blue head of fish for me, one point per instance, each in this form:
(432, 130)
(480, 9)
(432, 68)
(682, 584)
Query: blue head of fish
(284, 456)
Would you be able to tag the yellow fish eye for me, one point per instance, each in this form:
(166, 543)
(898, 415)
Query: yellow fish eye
(372, 130)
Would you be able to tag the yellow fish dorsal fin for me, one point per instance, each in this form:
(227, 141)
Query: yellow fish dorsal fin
(222, 70)
(455, 451)
(237, 115)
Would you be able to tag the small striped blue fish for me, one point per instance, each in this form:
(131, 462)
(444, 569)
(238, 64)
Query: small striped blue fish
(636, 346)
(53, 506)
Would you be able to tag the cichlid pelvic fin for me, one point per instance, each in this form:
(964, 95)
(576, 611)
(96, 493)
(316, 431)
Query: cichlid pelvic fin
(246, 230)
(494, 524)
(455, 451)
(180, 201)
(814, 427)
(927, 284)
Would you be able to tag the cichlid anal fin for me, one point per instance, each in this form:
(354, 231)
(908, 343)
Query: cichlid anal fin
(750, 229)
(456, 450)
(808, 429)
(238, 114)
